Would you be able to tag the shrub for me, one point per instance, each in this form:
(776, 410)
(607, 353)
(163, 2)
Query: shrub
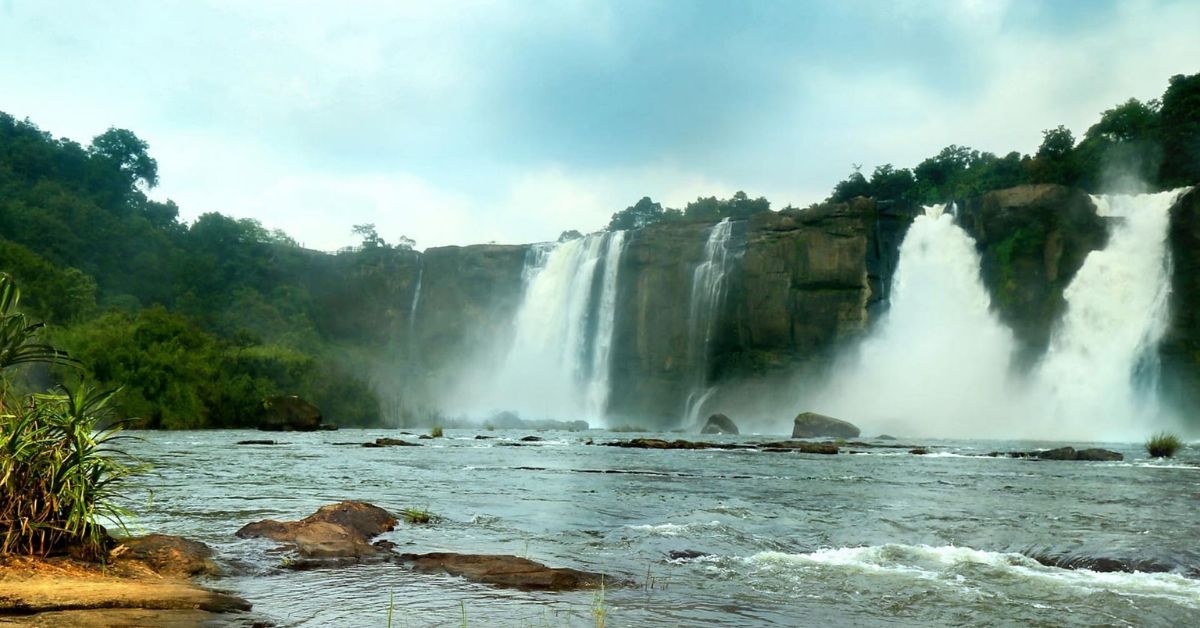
(1163, 445)
(58, 469)
(436, 432)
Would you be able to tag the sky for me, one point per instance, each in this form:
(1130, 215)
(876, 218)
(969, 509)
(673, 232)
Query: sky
(481, 121)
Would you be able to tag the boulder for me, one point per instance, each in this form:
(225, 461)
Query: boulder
(336, 531)
(511, 572)
(813, 425)
(390, 442)
(1098, 455)
(288, 413)
(1061, 453)
(167, 555)
(719, 424)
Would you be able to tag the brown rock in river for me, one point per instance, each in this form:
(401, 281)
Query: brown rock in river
(511, 572)
(341, 530)
(168, 555)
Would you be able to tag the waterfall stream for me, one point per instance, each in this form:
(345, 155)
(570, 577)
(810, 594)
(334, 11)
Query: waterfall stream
(558, 364)
(1100, 374)
(708, 292)
(940, 363)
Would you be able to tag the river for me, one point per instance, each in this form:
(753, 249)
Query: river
(769, 539)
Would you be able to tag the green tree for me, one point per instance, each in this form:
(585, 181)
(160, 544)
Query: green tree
(642, 213)
(1180, 132)
(129, 153)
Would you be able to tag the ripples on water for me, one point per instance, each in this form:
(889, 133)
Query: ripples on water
(710, 537)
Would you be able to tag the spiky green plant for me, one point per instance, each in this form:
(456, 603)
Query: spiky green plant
(1163, 445)
(60, 470)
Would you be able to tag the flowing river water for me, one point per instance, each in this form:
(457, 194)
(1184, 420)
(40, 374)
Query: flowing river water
(711, 537)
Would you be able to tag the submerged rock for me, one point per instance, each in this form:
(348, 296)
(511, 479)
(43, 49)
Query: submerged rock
(1093, 454)
(719, 424)
(336, 531)
(658, 443)
(801, 447)
(813, 425)
(506, 571)
(390, 442)
(288, 413)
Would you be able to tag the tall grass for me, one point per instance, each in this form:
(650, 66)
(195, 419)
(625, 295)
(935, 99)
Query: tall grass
(1163, 445)
(60, 470)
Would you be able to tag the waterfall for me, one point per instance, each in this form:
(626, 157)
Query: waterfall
(1100, 374)
(938, 362)
(708, 292)
(558, 364)
(606, 317)
(416, 300)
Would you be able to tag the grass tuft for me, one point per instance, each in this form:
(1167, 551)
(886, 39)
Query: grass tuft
(1163, 445)
(418, 516)
(436, 432)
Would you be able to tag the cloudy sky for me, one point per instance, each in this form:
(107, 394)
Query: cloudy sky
(461, 122)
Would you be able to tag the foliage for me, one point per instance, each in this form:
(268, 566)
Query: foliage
(1163, 445)
(1179, 130)
(436, 432)
(642, 213)
(59, 470)
(1147, 143)
(417, 516)
(224, 309)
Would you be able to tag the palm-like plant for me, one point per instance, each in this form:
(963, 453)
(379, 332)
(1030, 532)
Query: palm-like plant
(59, 469)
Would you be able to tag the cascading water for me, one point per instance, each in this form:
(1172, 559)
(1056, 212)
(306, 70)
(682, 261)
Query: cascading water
(416, 300)
(708, 292)
(938, 363)
(557, 366)
(606, 317)
(1100, 374)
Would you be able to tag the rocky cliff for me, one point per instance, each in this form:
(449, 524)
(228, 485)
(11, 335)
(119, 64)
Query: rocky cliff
(1180, 347)
(1032, 240)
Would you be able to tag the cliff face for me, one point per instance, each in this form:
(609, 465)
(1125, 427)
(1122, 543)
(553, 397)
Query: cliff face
(1032, 240)
(468, 298)
(799, 287)
(1180, 347)
(804, 287)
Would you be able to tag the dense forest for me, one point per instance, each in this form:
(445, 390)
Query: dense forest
(1135, 146)
(197, 323)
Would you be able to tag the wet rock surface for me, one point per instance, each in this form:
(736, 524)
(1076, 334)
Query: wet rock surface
(719, 424)
(505, 571)
(288, 413)
(337, 532)
(168, 555)
(1093, 454)
(813, 425)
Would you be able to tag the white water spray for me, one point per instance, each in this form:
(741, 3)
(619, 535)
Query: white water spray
(416, 300)
(558, 364)
(1100, 374)
(708, 292)
(939, 361)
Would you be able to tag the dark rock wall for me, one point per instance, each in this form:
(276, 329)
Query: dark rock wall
(1032, 240)
(1180, 348)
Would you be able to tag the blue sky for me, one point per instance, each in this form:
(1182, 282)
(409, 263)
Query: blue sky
(462, 122)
